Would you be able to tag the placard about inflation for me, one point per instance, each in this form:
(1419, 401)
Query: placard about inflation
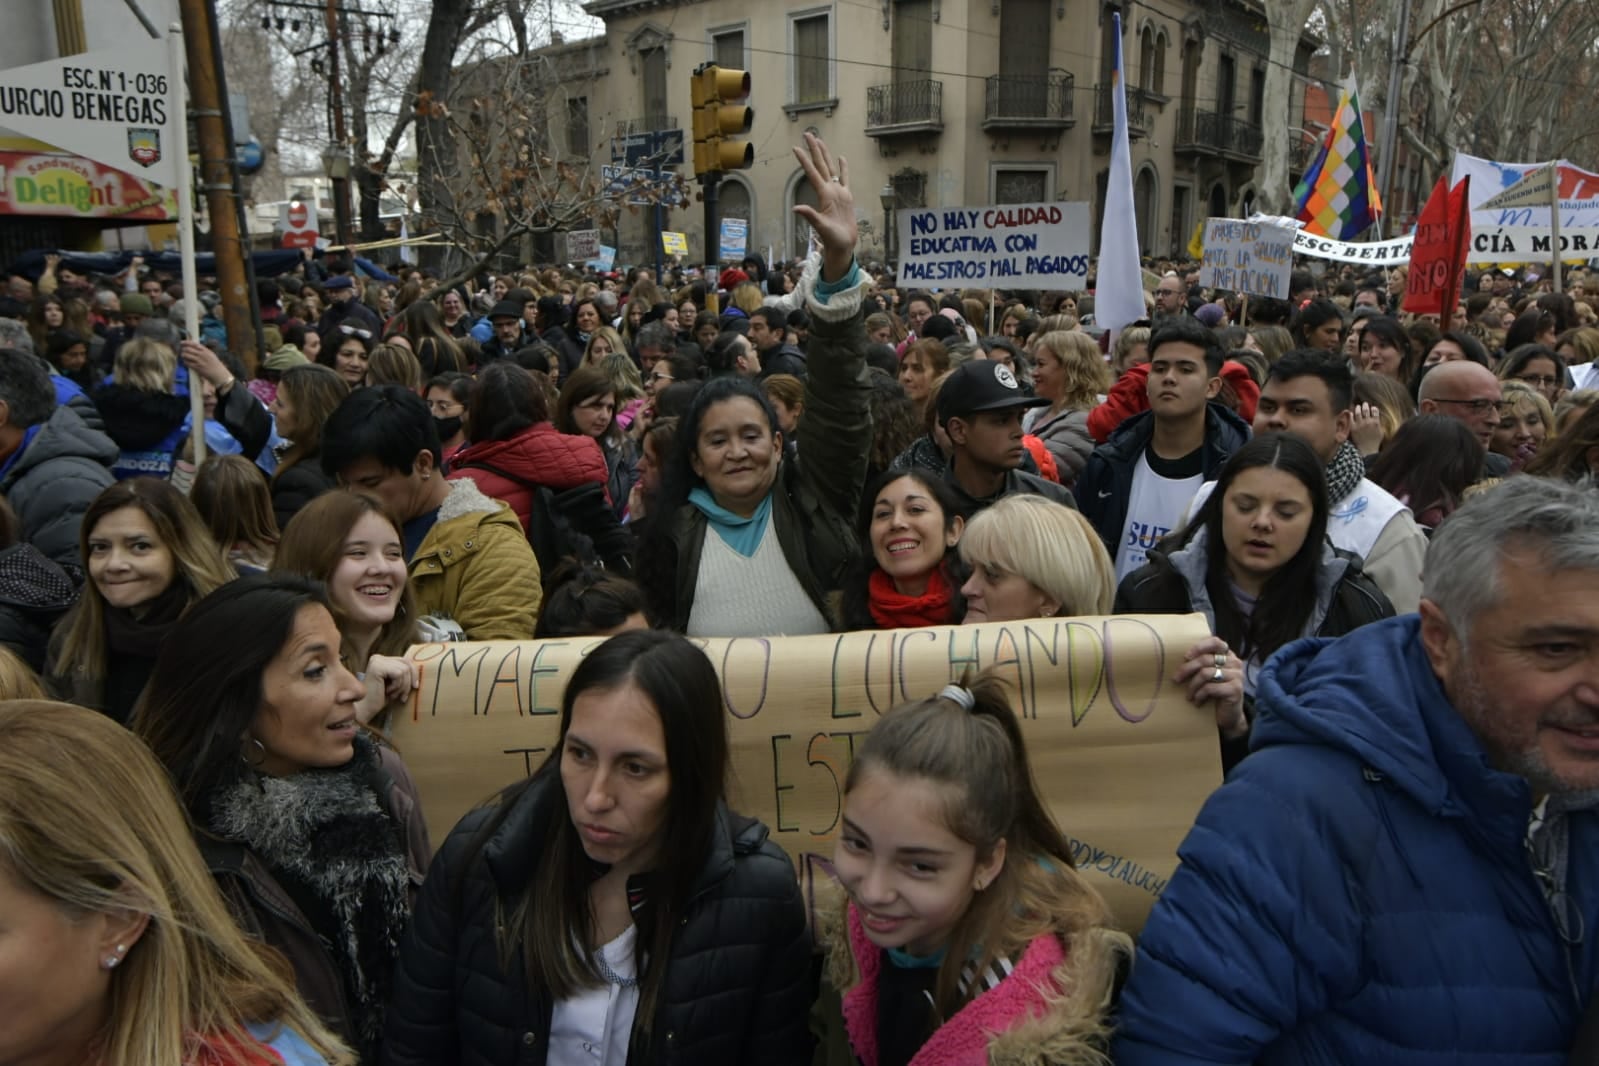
(1024, 245)
(108, 106)
(1247, 257)
(1122, 757)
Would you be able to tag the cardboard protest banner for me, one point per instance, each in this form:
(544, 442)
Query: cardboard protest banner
(111, 107)
(1122, 757)
(1024, 245)
(582, 245)
(1247, 256)
(1438, 257)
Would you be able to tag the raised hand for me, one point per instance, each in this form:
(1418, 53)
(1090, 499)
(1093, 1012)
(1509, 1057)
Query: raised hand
(833, 217)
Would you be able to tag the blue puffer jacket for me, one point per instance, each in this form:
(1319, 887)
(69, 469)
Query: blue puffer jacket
(1359, 890)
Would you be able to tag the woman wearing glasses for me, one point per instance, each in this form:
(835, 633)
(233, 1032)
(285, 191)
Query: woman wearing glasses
(1538, 366)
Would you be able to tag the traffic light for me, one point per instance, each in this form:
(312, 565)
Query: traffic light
(721, 118)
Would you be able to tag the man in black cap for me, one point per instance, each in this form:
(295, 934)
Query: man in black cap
(506, 321)
(980, 406)
(346, 309)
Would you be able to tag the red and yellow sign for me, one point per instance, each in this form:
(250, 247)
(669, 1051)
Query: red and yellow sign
(38, 183)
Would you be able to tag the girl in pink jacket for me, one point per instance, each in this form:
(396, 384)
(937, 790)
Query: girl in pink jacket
(968, 938)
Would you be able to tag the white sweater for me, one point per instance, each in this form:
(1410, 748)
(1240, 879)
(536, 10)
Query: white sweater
(754, 597)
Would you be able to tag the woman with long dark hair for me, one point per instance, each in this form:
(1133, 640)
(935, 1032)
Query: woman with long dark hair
(306, 397)
(909, 575)
(743, 541)
(1428, 466)
(1256, 562)
(312, 829)
(588, 409)
(611, 905)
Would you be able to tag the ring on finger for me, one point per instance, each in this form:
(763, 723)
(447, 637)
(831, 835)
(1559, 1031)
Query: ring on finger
(1217, 676)
(1220, 660)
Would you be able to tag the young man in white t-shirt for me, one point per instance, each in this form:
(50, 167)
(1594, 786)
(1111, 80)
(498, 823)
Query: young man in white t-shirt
(1137, 484)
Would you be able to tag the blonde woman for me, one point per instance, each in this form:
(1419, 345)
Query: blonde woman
(140, 413)
(119, 948)
(1031, 557)
(149, 557)
(1069, 372)
(602, 342)
(1526, 421)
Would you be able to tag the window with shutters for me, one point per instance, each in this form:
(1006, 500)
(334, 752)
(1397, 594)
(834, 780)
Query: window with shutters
(577, 125)
(912, 43)
(811, 51)
(652, 64)
(727, 47)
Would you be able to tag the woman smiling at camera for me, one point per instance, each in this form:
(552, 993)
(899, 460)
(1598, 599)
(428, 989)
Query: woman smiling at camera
(909, 579)
(1255, 561)
(311, 829)
(967, 937)
(149, 557)
(743, 541)
(610, 908)
(347, 541)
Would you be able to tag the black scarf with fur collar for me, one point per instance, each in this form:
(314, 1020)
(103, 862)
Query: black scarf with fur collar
(332, 844)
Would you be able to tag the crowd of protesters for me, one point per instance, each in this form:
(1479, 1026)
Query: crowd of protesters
(211, 855)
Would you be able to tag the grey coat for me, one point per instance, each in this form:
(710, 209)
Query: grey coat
(53, 481)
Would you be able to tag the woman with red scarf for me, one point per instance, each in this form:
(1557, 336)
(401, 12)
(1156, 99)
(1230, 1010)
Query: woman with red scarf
(911, 527)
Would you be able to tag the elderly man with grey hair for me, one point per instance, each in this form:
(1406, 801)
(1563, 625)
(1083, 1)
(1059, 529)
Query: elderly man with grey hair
(1406, 868)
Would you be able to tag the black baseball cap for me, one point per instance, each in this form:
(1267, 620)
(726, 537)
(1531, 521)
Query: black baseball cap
(982, 385)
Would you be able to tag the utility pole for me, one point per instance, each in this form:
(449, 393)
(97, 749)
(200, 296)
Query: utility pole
(1390, 121)
(339, 169)
(209, 110)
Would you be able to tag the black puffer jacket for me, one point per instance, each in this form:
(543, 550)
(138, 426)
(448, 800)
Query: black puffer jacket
(737, 990)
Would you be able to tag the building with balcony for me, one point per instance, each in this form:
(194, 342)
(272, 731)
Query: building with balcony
(946, 103)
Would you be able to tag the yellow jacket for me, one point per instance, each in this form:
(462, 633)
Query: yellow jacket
(476, 567)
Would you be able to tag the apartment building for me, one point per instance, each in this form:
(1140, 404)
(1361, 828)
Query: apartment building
(936, 103)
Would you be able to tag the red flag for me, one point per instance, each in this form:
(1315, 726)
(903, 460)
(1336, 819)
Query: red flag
(1438, 255)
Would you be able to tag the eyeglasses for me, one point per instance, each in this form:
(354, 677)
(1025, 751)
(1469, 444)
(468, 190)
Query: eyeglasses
(657, 376)
(1537, 379)
(1476, 407)
(447, 408)
(355, 331)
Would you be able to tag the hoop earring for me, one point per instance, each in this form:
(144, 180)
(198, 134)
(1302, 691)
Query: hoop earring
(260, 748)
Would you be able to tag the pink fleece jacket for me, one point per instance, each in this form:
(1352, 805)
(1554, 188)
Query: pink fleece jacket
(964, 1039)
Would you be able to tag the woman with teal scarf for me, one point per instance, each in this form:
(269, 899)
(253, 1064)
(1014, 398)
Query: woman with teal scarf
(746, 542)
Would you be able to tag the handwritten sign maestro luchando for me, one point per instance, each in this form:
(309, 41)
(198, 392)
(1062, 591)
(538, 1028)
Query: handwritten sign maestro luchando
(1120, 754)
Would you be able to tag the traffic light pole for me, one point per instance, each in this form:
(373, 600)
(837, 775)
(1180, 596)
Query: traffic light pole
(713, 268)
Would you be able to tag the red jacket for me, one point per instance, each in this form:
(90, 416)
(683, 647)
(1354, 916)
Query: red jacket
(1130, 396)
(542, 455)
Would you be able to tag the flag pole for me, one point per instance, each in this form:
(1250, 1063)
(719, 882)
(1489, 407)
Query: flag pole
(178, 104)
(1554, 221)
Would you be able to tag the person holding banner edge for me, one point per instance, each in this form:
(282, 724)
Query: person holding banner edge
(611, 905)
(742, 541)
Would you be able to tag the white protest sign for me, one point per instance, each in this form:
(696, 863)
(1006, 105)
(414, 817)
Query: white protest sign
(110, 107)
(1378, 253)
(734, 238)
(582, 245)
(1489, 244)
(1023, 245)
(1247, 257)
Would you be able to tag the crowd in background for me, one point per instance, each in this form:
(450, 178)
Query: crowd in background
(781, 450)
